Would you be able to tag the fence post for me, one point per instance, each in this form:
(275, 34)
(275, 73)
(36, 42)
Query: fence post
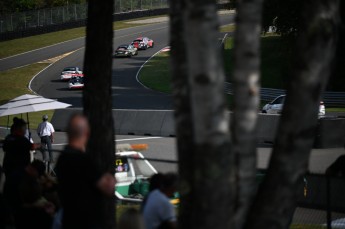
(24, 20)
(38, 18)
(51, 16)
(328, 196)
(63, 14)
(11, 23)
(75, 12)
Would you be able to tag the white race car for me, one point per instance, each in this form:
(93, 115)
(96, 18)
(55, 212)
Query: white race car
(76, 82)
(68, 72)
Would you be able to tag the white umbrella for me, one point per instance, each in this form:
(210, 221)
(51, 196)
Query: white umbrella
(30, 103)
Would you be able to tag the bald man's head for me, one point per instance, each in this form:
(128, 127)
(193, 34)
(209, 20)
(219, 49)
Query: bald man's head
(78, 128)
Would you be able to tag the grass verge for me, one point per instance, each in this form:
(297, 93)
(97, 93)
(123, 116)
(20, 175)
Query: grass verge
(16, 46)
(274, 65)
(14, 83)
(228, 28)
(156, 73)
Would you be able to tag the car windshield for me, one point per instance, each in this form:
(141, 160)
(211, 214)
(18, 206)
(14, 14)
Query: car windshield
(70, 69)
(123, 47)
(121, 165)
(77, 79)
(279, 100)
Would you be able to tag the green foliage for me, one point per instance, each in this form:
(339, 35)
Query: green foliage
(11, 6)
(275, 55)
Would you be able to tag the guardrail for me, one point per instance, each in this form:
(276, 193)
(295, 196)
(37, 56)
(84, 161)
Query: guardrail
(268, 94)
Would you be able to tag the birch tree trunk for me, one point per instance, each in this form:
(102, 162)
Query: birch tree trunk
(183, 115)
(97, 97)
(246, 79)
(276, 200)
(211, 202)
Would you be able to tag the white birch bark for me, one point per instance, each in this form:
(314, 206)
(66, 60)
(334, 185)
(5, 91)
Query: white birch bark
(246, 78)
(276, 200)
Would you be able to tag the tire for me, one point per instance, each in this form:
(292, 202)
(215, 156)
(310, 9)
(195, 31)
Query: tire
(153, 44)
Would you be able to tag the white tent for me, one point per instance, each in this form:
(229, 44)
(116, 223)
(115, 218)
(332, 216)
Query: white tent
(30, 103)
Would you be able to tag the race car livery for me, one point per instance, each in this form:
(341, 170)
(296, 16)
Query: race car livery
(126, 51)
(76, 81)
(143, 43)
(67, 72)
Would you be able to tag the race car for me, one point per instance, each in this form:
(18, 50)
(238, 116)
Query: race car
(126, 51)
(143, 43)
(76, 81)
(67, 72)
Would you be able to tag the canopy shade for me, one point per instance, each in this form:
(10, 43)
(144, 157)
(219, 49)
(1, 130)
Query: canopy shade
(30, 103)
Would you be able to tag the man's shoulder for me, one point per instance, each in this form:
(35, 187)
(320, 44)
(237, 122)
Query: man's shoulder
(157, 195)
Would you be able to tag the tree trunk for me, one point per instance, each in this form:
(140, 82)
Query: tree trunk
(97, 95)
(276, 200)
(183, 115)
(211, 189)
(246, 79)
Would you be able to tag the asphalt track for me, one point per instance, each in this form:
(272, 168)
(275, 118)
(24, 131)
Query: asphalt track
(128, 93)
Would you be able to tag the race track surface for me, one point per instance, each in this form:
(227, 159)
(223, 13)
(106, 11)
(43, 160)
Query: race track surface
(128, 93)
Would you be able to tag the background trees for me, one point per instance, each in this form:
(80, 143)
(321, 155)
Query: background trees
(11, 6)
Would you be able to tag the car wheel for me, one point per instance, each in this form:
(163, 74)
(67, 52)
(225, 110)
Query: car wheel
(264, 111)
(153, 44)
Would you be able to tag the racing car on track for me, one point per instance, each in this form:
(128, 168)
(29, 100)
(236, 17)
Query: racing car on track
(143, 43)
(126, 51)
(76, 81)
(67, 72)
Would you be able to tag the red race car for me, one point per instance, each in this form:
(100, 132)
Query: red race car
(143, 43)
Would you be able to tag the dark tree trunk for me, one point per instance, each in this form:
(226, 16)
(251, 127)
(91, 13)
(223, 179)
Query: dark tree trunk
(276, 200)
(183, 115)
(97, 95)
(212, 183)
(246, 79)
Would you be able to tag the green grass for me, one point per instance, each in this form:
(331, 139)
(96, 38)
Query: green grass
(274, 61)
(14, 83)
(335, 109)
(228, 28)
(156, 74)
(16, 46)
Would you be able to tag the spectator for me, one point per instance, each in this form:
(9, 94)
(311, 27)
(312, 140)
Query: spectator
(155, 183)
(3, 210)
(158, 212)
(16, 159)
(36, 211)
(45, 131)
(82, 186)
(131, 219)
